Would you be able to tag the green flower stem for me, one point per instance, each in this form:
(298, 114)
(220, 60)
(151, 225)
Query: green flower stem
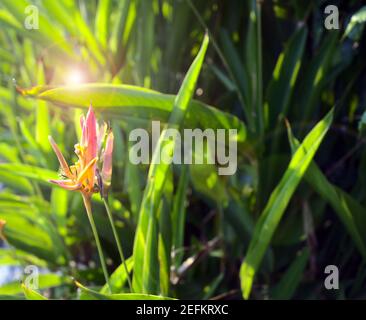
(87, 204)
(110, 217)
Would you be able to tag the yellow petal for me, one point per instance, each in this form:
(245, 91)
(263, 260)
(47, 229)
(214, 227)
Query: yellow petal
(86, 172)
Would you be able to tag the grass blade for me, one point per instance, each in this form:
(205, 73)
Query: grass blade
(178, 216)
(280, 197)
(42, 118)
(118, 278)
(286, 287)
(284, 76)
(239, 74)
(145, 233)
(101, 22)
(315, 77)
(165, 233)
(349, 211)
(253, 61)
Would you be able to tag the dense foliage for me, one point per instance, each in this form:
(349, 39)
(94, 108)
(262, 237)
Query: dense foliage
(293, 89)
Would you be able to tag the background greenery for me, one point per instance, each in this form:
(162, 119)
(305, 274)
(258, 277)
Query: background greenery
(266, 232)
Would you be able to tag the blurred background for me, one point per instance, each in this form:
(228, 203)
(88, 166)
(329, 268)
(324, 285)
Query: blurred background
(267, 61)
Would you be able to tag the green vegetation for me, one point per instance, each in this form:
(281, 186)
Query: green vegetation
(293, 90)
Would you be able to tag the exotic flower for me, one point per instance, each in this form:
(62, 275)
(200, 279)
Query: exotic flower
(96, 143)
(84, 174)
(2, 224)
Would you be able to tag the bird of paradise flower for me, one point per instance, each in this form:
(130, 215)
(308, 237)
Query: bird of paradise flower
(91, 173)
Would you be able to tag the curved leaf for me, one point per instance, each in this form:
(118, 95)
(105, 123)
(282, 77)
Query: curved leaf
(136, 103)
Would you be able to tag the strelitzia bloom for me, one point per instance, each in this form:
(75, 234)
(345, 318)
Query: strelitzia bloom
(91, 173)
(93, 170)
(2, 224)
(94, 153)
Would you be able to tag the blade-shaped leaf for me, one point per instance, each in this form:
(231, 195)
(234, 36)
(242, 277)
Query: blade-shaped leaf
(118, 278)
(284, 76)
(178, 216)
(28, 171)
(350, 212)
(286, 287)
(146, 233)
(136, 103)
(101, 21)
(253, 61)
(276, 206)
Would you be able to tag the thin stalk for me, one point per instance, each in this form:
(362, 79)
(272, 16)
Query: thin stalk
(259, 72)
(110, 217)
(87, 204)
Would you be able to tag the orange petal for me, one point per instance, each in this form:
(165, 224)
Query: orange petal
(60, 157)
(87, 172)
(67, 184)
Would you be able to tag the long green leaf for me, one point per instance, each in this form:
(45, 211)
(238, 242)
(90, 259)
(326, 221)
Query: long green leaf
(136, 103)
(118, 278)
(284, 76)
(253, 61)
(101, 21)
(44, 281)
(276, 206)
(165, 233)
(42, 118)
(146, 230)
(178, 216)
(350, 212)
(312, 82)
(121, 30)
(28, 171)
(14, 181)
(286, 287)
(239, 74)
